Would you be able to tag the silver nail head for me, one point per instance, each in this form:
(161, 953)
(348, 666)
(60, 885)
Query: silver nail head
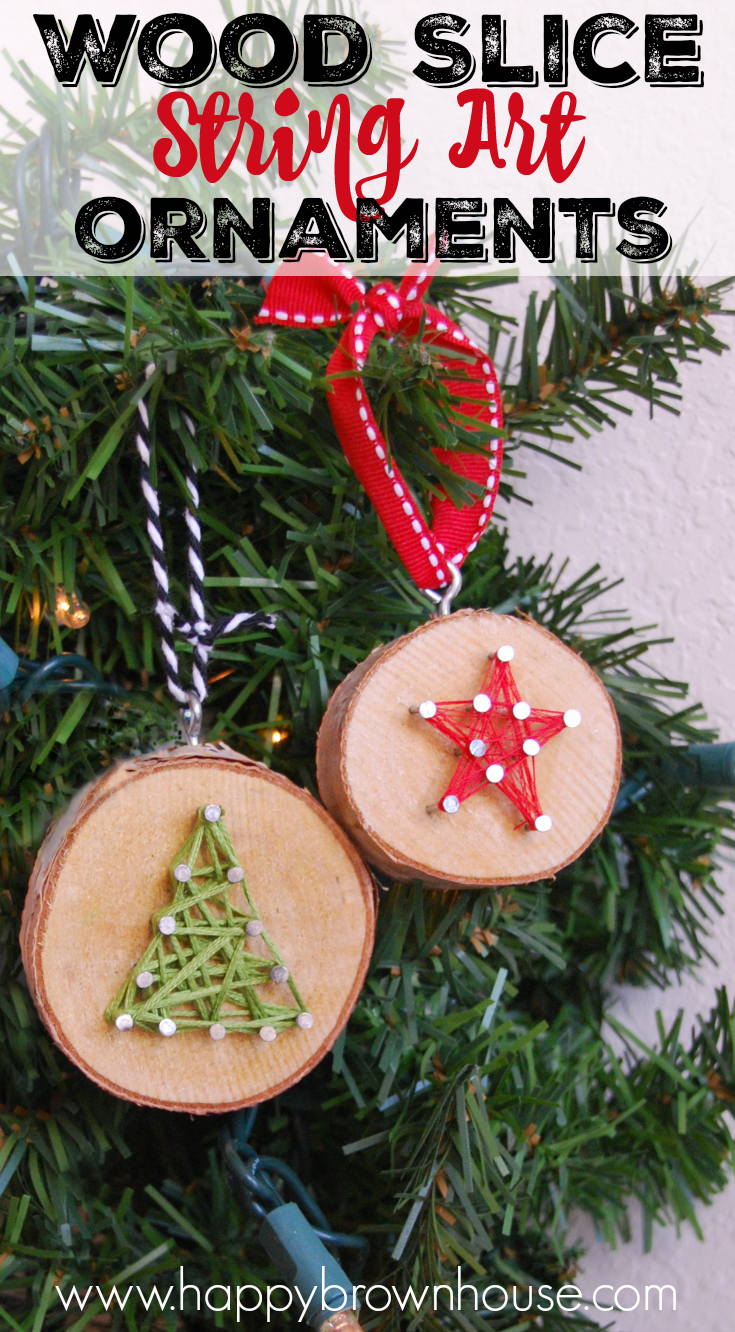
(427, 709)
(521, 711)
(279, 975)
(124, 1022)
(236, 874)
(217, 1031)
(182, 873)
(505, 653)
(305, 1021)
(167, 1027)
(254, 928)
(213, 813)
(531, 747)
(481, 703)
(495, 773)
(478, 748)
(267, 1033)
(167, 925)
(543, 823)
(450, 804)
(572, 717)
(144, 979)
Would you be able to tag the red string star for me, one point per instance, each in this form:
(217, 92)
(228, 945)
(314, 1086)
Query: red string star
(499, 736)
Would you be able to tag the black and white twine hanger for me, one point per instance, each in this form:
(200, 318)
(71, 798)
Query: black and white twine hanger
(198, 631)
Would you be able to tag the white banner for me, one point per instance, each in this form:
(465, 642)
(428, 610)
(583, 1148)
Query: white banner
(226, 138)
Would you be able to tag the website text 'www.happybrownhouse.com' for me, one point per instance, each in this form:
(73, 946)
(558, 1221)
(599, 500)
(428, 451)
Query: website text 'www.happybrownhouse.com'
(239, 1301)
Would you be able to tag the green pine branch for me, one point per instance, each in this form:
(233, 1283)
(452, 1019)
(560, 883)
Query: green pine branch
(287, 528)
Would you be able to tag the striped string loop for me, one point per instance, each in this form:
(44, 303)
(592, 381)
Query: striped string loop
(197, 631)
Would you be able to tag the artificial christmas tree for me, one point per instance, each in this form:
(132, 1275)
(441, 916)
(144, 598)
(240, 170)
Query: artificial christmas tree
(473, 1091)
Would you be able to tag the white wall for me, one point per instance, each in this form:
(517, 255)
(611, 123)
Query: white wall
(654, 504)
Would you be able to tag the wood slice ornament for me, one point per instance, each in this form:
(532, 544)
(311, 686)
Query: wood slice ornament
(196, 930)
(478, 750)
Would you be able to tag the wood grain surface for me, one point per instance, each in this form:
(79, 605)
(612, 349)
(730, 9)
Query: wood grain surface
(103, 870)
(379, 766)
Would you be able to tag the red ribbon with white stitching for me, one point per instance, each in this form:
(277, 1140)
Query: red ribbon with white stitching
(318, 302)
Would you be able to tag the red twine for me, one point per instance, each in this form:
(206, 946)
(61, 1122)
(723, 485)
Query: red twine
(316, 302)
(499, 736)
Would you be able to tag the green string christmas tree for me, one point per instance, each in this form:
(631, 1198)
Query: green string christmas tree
(198, 971)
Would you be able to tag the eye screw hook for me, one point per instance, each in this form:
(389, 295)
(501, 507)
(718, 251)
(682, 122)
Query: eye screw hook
(444, 599)
(191, 720)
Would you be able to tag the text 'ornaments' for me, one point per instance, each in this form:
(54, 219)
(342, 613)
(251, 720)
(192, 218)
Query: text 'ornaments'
(103, 873)
(383, 769)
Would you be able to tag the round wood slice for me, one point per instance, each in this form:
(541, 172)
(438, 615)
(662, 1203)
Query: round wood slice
(103, 870)
(380, 767)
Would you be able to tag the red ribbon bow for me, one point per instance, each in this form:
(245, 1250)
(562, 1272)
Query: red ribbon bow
(317, 302)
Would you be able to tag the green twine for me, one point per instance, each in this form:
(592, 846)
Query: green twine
(203, 973)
